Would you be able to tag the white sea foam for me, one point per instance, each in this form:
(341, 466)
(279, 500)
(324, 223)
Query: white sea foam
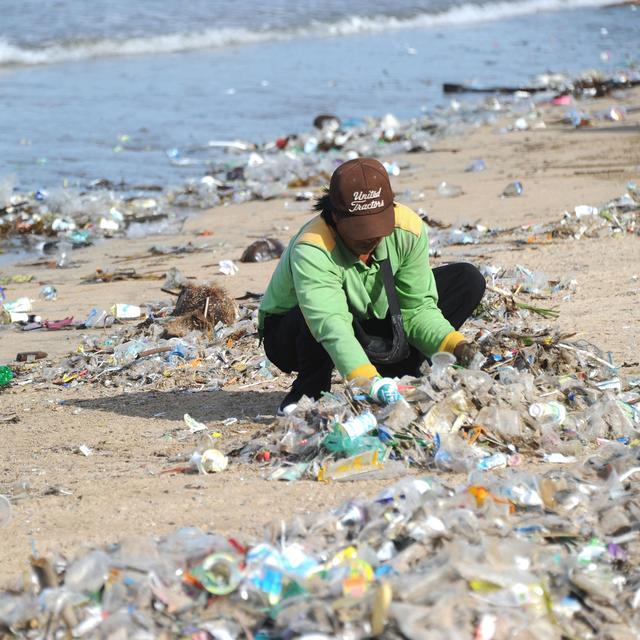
(12, 55)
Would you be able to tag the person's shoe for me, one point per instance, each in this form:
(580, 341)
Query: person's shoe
(286, 410)
(289, 404)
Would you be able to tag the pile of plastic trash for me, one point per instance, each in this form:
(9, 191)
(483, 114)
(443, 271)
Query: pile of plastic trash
(516, 516)
(164, 345)
(534, 392)
(452, 418)
(522, 522)
(45, 219)
(162, 351)
(617, 217)
(550, 553)
(155, 351)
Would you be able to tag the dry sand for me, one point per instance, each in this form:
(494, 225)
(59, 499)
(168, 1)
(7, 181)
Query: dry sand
(118, 493)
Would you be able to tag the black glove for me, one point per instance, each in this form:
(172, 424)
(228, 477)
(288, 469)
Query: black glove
(464, 353)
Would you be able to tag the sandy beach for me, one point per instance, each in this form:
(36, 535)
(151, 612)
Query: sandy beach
(119, 492)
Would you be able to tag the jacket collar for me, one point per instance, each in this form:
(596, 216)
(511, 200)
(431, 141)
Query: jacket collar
(348, 259)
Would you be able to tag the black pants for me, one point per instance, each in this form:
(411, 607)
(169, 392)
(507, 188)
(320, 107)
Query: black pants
(289, 344)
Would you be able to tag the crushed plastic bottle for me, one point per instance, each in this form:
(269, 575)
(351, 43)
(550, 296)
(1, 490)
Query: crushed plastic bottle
(48, 292)
(89, 573)
(513, 189)
(228, 267)
(495, 461)
(209, 461)
(5, 511)
(548, 412)
(476, 165)
(336, 442)
(347, 468)
(127, 352)
(501, 421)
(98, 318)
(175, 280)
(124, 311)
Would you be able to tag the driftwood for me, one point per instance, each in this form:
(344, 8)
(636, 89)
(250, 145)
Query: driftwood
(450, 87)
(577, 88)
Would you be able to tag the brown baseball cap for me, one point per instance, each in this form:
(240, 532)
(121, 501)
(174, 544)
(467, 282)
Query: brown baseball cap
(361, 196)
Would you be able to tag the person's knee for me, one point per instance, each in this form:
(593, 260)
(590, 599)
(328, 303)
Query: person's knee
(473, 279)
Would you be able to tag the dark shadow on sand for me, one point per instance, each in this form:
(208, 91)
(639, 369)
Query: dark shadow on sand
(206, 406)
(625, 128)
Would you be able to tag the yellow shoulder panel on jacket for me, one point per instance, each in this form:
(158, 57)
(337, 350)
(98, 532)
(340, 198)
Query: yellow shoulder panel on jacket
(407, 219)
(318, 233)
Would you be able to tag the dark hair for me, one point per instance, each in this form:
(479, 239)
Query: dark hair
(323, 207)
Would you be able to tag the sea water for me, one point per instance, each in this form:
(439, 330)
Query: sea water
(135, 91)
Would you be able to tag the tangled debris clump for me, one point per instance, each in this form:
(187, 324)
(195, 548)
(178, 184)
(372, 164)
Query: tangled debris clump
(200, 308)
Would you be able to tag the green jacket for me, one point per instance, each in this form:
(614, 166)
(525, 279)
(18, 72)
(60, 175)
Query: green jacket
(318, 273)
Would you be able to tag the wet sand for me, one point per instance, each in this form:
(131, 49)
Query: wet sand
(118, 492)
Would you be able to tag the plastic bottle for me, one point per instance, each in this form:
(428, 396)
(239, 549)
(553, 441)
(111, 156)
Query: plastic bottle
(126, 311)
(97, 318)
(357, 426)
(219, 573)
(548, 412)
(513, 189)
(64, 249)
(88, 573)
(6, 376)
(446, 190)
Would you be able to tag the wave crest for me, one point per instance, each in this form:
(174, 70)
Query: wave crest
(12, 55)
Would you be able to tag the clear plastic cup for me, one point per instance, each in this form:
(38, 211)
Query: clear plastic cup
(5, 511)
(440, 362)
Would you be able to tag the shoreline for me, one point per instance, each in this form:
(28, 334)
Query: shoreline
(292, 165)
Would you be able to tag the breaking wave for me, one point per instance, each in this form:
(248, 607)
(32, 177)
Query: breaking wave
(14, 55)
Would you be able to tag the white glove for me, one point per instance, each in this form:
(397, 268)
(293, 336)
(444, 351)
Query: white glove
(384, 391)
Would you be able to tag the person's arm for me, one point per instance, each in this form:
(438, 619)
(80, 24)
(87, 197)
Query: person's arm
(323, 302)
(425, 326)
